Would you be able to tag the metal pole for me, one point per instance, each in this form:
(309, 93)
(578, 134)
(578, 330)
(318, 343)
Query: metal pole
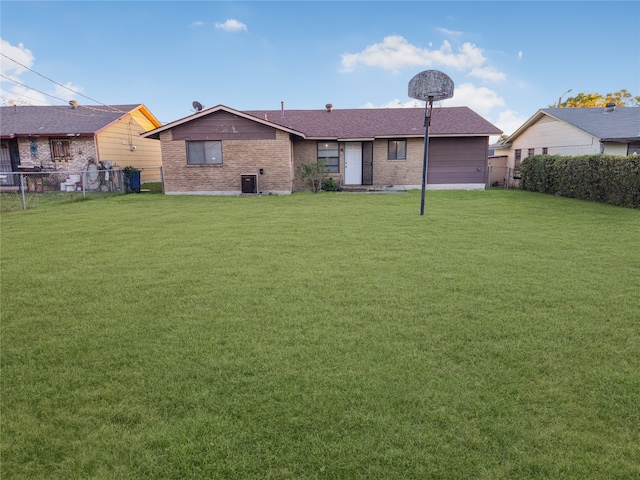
(24, 200)
(425, 161)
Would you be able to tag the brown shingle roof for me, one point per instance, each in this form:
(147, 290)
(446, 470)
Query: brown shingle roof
(365, 123)
(54, 120)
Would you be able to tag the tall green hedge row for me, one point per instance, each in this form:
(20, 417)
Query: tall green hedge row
(599, 178)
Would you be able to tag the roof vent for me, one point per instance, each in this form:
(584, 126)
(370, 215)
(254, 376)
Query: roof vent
(73, 104)
(609, 107)
(329, 107)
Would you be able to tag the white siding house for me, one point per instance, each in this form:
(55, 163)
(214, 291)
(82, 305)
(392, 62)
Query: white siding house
(574, 131)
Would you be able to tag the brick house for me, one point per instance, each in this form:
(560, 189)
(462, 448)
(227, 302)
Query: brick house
(222, 151)
(65, 138)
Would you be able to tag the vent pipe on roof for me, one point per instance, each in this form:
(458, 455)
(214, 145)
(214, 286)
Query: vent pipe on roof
(329, 107)
(282, 108)
(609, 107)
(73, 104)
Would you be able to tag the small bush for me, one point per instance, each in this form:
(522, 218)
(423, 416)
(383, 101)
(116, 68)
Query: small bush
(600, 178)
(330, 184)
(312, 174)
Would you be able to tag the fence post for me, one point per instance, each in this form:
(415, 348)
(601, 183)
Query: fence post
(24, 200)
(162, 179)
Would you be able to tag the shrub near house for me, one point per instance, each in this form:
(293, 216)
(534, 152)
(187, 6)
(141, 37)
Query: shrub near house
(601, 178)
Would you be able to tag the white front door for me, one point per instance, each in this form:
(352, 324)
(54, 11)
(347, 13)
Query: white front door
(353, 163)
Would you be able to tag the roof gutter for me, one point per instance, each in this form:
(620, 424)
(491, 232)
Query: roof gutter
(45, 134)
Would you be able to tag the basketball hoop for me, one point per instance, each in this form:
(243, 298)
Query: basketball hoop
(430, 86)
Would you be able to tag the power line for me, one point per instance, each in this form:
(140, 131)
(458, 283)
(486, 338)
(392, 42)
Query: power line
(30, 88)
(88, 107)
(57, 83)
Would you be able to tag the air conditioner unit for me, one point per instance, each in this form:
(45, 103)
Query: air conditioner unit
(249, 183)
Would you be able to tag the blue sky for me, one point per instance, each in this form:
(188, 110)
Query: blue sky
(507, 59)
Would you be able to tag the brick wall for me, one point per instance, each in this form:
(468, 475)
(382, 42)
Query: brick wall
(398, 172)
(36, 152)
(240, 157)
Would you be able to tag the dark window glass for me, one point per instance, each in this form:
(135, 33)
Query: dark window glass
(329, 152)
(204, 153)
(397, 150)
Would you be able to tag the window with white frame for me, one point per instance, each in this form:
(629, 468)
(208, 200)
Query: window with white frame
(397, 150)
(329, 152)
(204, 153)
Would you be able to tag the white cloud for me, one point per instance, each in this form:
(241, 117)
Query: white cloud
(487, 73)
(232, 25)
(22, 95)
(520, 55)
(396, 53)
(196, 24)
(17, 53)
(479, 99)
(509, 121)
(396, 103)
(67, 94)
(446, 31)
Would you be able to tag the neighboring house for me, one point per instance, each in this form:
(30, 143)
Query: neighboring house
(574, 131)
(225, 151)
(65, 138)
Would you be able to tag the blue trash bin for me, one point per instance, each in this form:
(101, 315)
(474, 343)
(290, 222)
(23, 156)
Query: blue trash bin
(134, 181)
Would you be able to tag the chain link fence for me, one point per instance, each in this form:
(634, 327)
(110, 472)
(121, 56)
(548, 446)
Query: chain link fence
(500, 176)
(35, 187)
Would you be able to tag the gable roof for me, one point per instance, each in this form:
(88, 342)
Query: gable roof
(358, 123)
(369, 123)
(181, 121)
(620, 124)
(58, 120)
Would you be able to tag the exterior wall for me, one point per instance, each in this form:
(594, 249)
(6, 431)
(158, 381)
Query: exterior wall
(398, 173)
(558, 137)
(36, 151)
(611, 148)
(240, 157)
(458, 160)
(453, 163)
(305, 151)
(117, 141)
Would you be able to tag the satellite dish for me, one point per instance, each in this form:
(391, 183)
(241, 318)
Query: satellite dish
(431, 85)
(197, 106)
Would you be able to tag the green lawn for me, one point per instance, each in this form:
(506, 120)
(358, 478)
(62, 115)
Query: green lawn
(321, 336)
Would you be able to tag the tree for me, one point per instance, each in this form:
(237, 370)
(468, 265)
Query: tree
(621, 98)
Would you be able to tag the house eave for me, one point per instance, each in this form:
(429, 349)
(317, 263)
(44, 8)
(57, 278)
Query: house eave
(621, 140)
(46, 134)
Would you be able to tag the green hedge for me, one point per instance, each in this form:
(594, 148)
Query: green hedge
(599, 178)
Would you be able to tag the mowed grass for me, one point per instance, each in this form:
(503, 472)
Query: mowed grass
(321, 336)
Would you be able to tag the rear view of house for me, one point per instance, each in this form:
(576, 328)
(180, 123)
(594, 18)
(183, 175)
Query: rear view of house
(224, 151)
